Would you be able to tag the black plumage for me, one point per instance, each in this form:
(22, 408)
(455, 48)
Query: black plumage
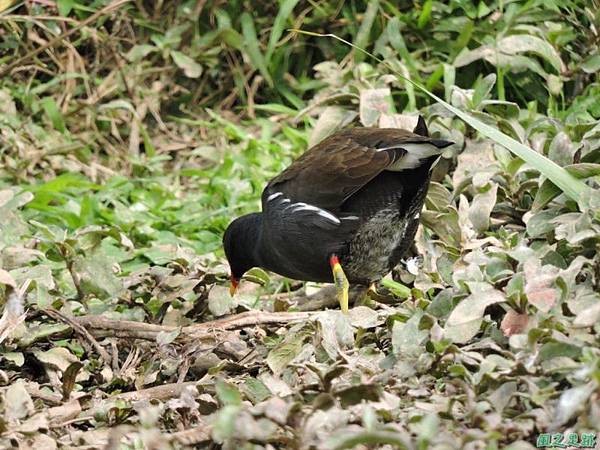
(356, 196)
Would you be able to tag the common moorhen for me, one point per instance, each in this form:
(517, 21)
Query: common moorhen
(352, 201)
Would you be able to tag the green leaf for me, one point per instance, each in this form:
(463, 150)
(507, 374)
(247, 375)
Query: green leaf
(407, 339)
(65, 7)
(572, 401)
(397, 42)
(283, 15)
(521, 43)
(190, 68)
(425, 15)
(279, 357)
(139, 52)
(95, 275)
(548, 190)
(53, 112)
(374, 103)
(253, 47)
(557, 349)
(481, 208)
(220, 301)
(364, 32)
(228, 393)
(466, 318)
(332, 119)
(592, 64)
(398, 289)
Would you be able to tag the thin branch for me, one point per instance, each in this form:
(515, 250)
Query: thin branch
(101, 326)
(79, 329)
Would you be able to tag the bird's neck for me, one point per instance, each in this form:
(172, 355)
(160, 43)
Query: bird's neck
(251, 238)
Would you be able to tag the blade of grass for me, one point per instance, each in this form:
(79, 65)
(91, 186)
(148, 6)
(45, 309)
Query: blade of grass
(362, 37)
(284, 13)
(253, 47)
(425, 15)
(570, 185)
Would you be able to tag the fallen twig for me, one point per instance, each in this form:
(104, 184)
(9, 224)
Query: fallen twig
(162, 392)
(79, 329)
(193, 436)
(101, 326)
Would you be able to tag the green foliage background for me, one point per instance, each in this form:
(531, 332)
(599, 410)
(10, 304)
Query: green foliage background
(132, 132)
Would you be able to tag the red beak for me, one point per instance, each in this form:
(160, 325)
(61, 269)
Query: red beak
(234, 285)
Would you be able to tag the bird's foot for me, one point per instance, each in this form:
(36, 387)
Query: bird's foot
(340, 281)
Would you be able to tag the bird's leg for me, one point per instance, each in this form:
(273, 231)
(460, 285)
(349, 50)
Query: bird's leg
(340, 281)
(373, 290)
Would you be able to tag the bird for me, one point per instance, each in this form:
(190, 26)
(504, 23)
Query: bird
(346, 211)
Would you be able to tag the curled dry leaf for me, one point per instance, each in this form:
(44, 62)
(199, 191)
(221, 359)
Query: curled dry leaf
(514, 323)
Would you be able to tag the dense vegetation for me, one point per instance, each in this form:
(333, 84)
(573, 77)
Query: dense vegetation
(132, 132)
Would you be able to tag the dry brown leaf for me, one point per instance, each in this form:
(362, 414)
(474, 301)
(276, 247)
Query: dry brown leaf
(514, 323)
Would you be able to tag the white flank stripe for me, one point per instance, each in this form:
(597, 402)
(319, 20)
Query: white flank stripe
(274, 196)
(301, 206)
(329, 216)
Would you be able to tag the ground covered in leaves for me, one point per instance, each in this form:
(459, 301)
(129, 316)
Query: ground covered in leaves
(131, 133)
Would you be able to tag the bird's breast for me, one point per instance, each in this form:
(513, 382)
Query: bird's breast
(372, 252)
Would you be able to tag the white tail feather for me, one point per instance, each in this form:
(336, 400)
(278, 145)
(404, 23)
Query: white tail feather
(415, 153)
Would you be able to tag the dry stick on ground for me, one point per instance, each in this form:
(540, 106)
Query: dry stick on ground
(163, 392)
(58, 39)
(98, 325)
(192, 436)
(79, 329)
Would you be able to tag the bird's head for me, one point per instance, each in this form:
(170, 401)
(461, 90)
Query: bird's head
(240, 242)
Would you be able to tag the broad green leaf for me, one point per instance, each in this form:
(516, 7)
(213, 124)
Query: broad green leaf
(591, 64)
(228, 393)
(95, 275)
(220, 301)
(53, 112)
(65, 7)
(279, 357)
(466, 318)
(481, 208)
(398, 289)
(521, 43)
(571, 402)
(373, 103)
(139, 52)
(332, 119)
(407, 339)
(190, 68)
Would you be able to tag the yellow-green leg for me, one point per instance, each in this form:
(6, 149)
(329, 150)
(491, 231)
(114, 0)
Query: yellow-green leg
(373, 290)
(341, 282)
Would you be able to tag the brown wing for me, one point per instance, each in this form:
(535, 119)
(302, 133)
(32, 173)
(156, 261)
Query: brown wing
(330, 172)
